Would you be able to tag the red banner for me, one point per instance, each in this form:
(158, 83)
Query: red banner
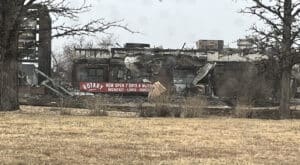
(115, 87)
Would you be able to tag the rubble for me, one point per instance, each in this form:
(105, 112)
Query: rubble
(157, 90)
(217, 74)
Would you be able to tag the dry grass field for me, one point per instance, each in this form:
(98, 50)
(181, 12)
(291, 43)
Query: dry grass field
(57, 139)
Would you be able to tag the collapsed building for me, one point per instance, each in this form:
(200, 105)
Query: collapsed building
(136, 63)
(207, 70)
(34, 49)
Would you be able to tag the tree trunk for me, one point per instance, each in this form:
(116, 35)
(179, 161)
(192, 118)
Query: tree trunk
(286, 60)
(284, 109)
(9, 73)
(9, 29)
(8, 85)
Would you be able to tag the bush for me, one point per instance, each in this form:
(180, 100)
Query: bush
(243, 112)
(65, 112)
(164, 107)
(193, 107)
(97, 105)
(98, 112)
(256, 113)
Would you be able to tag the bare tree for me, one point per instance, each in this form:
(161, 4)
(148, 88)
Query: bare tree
(63, 63)
(107, 42)
(280, 34)
(12, 13)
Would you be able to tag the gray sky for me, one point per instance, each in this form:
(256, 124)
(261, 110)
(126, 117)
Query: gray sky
(170, 23)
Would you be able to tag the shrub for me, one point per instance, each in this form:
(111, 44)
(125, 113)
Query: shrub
(193, 107)
(65, 112)
(164, 107)
(98, 112)
(242, 112)
(97, 105)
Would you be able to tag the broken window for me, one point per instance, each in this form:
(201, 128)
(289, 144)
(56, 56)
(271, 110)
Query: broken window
(95, 75)
(183, 79)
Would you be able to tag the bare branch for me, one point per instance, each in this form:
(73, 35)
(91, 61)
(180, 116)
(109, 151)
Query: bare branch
(63, 8)
(28, 3)
(95, 26)
(271, 9)
(268, 36)
(260, 14)
(295, 35)
(296, 13)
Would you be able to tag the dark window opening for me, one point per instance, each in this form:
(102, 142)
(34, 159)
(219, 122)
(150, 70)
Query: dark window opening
(95, 74)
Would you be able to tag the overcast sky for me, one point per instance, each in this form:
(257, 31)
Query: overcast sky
(170, 23)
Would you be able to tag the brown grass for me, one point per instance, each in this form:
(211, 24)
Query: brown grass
(168, 106)
(56, 139)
